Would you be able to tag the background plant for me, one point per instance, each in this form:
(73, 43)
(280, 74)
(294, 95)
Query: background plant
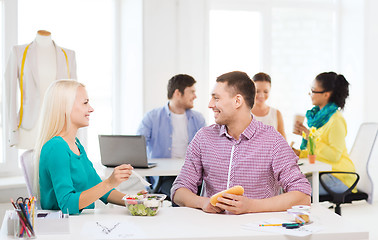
(311, 145)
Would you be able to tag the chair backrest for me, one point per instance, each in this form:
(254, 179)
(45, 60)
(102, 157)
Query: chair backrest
(361, 153)
(27, 165)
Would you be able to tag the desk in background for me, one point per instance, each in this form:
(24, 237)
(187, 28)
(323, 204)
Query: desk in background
(188, 223)
(315, 168)
(164, 167)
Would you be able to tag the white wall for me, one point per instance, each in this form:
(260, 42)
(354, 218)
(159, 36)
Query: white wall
(174, 42)
(9, 22)
(370, 60)
(159, 50)
(128, 85)
(351, 62)
(370, 76)
(191, 49)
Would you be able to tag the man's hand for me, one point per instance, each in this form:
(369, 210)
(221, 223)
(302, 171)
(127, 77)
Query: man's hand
(207, 207)
(235, 203)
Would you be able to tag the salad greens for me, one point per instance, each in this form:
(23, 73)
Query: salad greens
(144, 205)
(141, 210)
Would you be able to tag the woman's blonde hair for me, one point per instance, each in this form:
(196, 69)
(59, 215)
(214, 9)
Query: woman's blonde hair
(55, 117)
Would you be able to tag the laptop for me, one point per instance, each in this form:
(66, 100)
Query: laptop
(119, 149)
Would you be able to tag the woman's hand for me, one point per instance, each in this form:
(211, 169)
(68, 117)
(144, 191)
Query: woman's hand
(299, 128)
(119, 175)
(296, 151)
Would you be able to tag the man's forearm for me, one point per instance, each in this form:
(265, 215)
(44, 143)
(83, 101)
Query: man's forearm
(186, 198)
(281, 202)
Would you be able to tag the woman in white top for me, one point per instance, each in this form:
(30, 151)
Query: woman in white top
(261, 111)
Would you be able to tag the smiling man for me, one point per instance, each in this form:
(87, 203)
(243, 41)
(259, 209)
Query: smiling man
(239, 150)
(169, 129)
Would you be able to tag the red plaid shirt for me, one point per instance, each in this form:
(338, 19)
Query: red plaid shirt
(261, 161)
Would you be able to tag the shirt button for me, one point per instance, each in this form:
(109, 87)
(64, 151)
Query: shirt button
(169, 149)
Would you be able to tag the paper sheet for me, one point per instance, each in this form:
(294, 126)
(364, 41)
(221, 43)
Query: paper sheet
(299, 232)
(111, 230)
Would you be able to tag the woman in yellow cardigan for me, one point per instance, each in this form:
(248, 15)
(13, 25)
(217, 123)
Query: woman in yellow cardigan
(328, 93)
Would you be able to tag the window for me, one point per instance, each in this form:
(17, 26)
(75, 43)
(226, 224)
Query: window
(234, 43)
(302, 47)
(86, 27)
(1, 92)
(291, 42)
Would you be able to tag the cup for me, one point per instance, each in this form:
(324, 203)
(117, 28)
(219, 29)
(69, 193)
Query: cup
(301, 213)
(20, 228)
(298, 118)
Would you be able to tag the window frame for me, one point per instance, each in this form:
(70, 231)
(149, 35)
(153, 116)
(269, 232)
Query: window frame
(8, 167)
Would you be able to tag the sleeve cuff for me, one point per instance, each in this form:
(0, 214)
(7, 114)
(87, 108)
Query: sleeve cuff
(72, 204)
(104, 198)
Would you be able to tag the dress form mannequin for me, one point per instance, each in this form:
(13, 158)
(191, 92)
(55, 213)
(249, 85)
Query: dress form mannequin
(46, 59)
(32, 67)
(46, 62)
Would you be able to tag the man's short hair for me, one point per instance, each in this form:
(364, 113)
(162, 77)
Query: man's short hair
(180, 82)
(240, 83)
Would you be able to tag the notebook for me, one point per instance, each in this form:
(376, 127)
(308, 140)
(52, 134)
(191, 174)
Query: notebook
(119, 149)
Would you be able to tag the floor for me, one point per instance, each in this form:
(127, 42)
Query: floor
(358, 213)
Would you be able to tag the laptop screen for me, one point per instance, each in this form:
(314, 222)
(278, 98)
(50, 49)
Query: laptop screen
(120, 149)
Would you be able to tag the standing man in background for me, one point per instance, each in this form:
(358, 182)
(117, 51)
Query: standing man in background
(169, 129)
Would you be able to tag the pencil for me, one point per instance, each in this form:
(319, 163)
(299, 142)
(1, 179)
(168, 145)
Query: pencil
(33, 208)
(27, 222)
(282, 225)
(21, 218)
(268, 225)
(14, 205)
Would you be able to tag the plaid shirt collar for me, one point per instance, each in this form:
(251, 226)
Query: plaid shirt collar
(246, 134)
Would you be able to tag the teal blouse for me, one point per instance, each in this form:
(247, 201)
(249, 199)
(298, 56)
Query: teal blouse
(63, 175)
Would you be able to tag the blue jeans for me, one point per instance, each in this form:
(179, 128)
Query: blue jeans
(332, 182)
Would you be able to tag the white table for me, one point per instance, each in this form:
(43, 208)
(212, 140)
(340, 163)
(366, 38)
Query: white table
(172, 167)
(314, 169)
(187, 223)
(164, 167)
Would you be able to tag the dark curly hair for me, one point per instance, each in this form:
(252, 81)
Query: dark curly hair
(337, 84)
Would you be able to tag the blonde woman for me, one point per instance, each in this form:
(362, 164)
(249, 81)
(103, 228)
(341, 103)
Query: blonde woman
(261, 111)
(66, 177)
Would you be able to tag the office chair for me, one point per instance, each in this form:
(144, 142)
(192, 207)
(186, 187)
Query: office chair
(27, 166)
(360, 154)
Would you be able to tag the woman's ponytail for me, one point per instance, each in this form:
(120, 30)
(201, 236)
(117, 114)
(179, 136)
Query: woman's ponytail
(337, 84)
